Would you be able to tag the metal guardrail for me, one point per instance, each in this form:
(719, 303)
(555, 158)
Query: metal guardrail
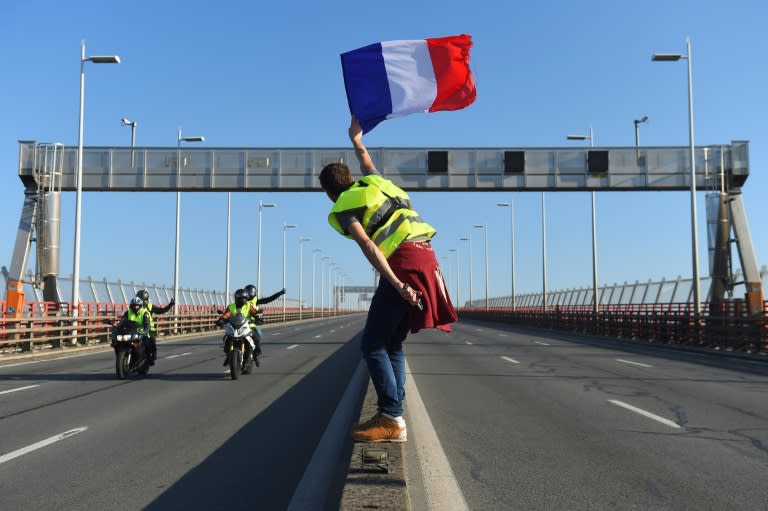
(727, 329)
(56, 330)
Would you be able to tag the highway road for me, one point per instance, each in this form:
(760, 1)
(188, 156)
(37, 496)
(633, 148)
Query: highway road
(526, 419)
(73, 437)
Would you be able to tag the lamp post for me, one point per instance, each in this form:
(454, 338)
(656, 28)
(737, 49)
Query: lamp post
(285, 230)
(262, 205)
(229, 228)
(181, 139)
(458, 298)
(96, 59)
(485, 236)
(322, 283)
(672, 57)
(638, 122)
(543, 254)
(511, 206)
(302, 239)
(315, 251)
(468, 239)
(595, 297)
(132, 124)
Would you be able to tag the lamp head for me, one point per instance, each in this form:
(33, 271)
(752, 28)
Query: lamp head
(667, 57)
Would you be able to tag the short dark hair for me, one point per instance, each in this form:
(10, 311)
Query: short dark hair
(336, 178)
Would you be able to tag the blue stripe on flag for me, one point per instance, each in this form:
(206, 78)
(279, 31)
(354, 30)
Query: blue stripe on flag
(365, 79)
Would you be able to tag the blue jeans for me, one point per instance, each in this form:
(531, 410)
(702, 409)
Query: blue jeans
(385, 331)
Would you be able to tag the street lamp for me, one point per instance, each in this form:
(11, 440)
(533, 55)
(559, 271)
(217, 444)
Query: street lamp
(485, 235)
(468, 239)
(322, 283)
(262, 205)
(180, 139)
(458, 287)
(302, 239)
(595, 297)
(315, 251)
(285, 230)
(229, 228)
(96, 59)
(511, 206)
(543, 254)
(638, 122)
(673, 57)
(132, 124)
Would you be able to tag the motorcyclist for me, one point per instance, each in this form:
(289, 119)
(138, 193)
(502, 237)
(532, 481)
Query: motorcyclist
(243, 306)
(255, 301)
(143, 294)
(136, 313)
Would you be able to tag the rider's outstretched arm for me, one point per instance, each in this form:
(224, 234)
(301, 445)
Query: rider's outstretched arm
(271, 298)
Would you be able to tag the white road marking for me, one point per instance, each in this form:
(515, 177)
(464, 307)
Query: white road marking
(20, 364)
(468, 342)
(542, 343)
(317, 336)
(332, 331)
(179, 355)
(510, 360)
(632, 363)
(18, 389)
(440, 485)
(41, 444)
(502, 335)
(292, 346)
(642, 412)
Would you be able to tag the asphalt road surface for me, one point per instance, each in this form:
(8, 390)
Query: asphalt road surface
(526, 419)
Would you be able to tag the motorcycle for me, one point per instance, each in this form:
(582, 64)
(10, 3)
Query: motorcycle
(131, 354)
(239, 345)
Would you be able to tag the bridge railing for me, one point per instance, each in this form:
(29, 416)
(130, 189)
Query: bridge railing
(727, 327)
(47, 326)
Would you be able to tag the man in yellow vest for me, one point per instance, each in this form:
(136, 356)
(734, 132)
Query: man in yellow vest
(411, 294)
(151, 310)
(255, 301)
(136, 313)
(243, 306)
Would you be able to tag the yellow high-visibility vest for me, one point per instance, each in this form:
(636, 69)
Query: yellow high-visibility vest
(387, 216)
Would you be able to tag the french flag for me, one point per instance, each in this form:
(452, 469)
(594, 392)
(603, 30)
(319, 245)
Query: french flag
(395, 78)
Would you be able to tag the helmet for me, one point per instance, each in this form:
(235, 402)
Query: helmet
(251, 290)
(144, 295)
(240, 297)
(136, 304)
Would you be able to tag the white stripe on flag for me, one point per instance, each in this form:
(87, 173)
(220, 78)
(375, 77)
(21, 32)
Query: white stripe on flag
(411, 77)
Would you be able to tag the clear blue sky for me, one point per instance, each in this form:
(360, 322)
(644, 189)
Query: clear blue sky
(267, 74)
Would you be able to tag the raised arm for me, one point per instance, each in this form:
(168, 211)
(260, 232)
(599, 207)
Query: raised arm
(356, 136)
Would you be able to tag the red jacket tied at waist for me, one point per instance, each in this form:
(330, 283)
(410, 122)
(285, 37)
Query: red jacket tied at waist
(415, 263)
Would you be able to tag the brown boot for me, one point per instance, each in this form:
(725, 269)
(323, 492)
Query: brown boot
(366, 424)
(382, 429)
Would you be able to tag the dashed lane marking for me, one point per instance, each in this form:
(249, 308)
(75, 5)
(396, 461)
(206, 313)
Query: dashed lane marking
(18, 389)
(292, 346)
(510, 360)
(632, 363)
(41, 444)
(644, 413)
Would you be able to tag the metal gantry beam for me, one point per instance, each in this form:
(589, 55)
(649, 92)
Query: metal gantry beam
(415, 169)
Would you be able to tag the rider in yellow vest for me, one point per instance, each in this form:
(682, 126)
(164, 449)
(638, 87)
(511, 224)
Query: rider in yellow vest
(153, 309)
(244, 307)
(255, 301)
(136, 313)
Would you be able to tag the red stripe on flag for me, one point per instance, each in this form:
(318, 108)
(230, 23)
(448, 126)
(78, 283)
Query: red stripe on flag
(450, 61)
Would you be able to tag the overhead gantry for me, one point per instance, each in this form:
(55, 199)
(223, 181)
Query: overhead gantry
(47, 170)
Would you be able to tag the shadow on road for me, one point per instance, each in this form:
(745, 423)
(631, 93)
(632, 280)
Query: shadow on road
(260, 466)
